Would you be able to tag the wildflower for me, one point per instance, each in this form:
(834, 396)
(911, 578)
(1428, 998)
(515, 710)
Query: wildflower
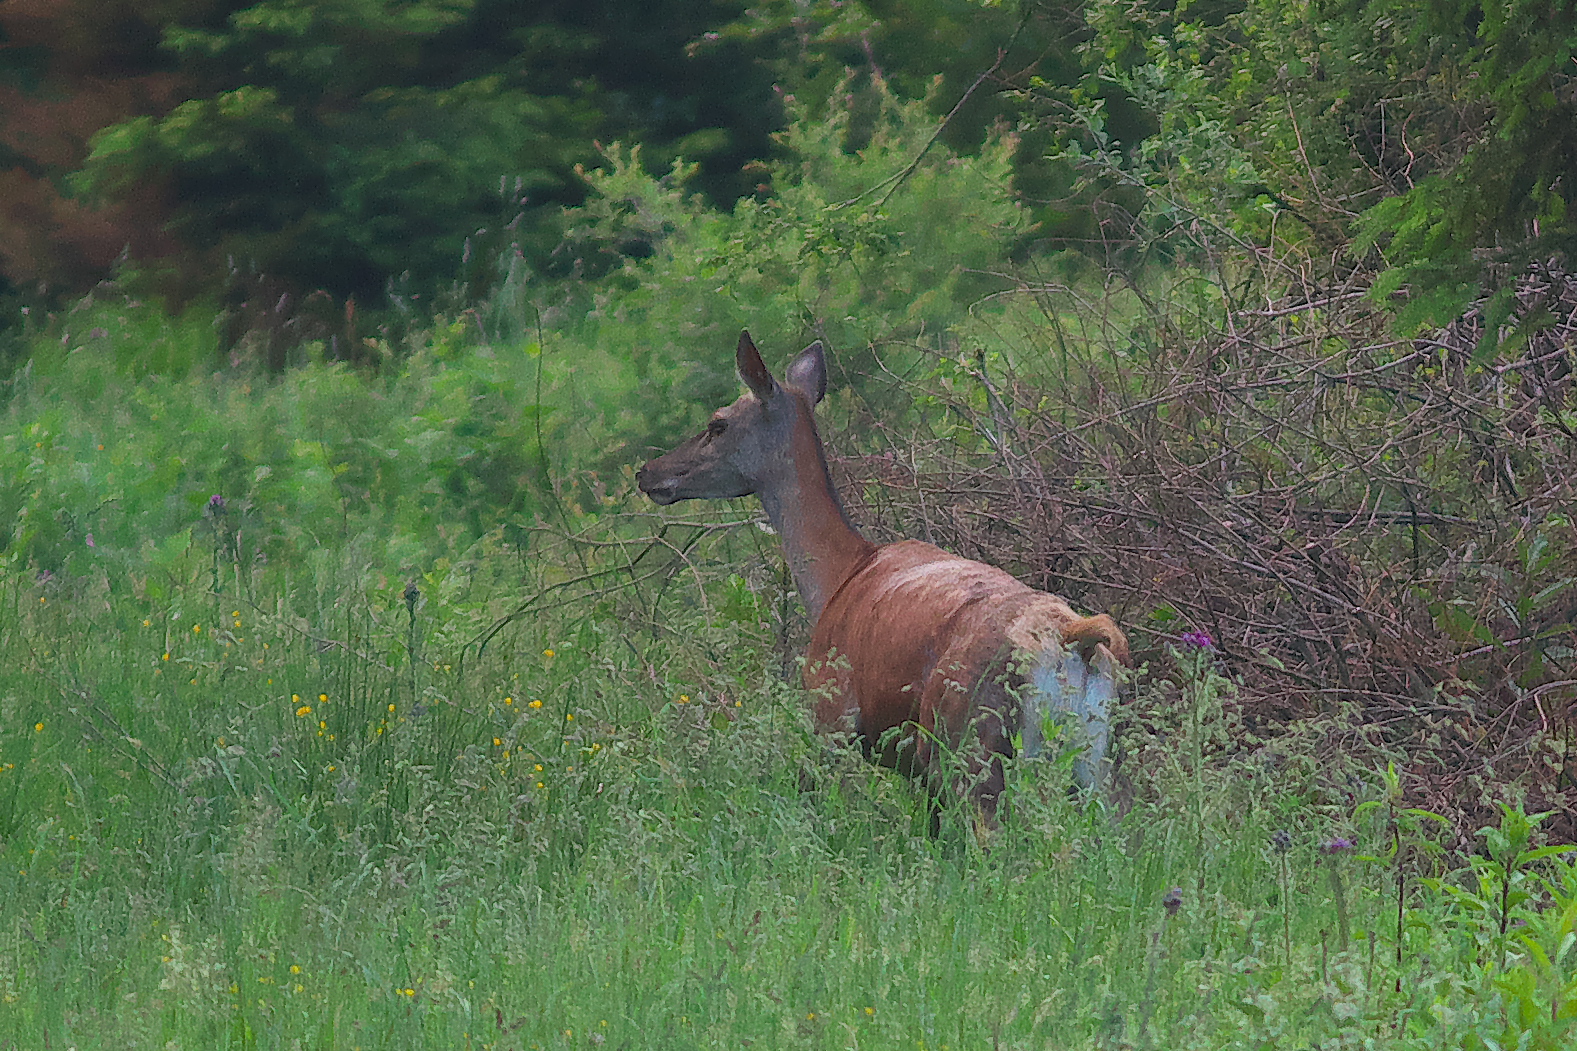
(391, 707)
(1197, 640)
(91, 544)
(304, 711)
(1172, 901)
(147, 623)
(548, 654)
(197, 629)
(38, 727)
(165, 657)
(538, 768)
(295, 968)
(870, 1011)
(541, 785)
(1337, 845)
(323, 698)
(684, 698)
(1281, 839)
(509, 700)
(569, 717)
(216, 505)
(534, 704)
(497, 742)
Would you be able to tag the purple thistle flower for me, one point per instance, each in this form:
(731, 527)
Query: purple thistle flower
(1172, 901)
(1197, 640)
(1338, 845)
(216, 504)
(91, 544)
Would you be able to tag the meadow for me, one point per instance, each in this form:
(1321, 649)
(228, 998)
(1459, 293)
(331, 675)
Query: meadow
(370, 707)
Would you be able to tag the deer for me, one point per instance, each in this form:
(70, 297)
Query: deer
(939, 666)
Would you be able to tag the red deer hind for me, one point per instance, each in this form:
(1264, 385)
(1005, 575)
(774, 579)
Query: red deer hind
(906, 635)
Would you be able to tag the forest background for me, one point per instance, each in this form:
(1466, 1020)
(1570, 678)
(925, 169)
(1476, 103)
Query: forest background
(331, 334)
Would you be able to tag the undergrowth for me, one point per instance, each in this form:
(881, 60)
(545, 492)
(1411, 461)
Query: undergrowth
(317, 814)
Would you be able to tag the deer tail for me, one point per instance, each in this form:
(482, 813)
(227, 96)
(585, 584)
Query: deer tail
(1086, 633)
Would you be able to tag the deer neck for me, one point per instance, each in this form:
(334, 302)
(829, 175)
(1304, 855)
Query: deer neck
(822, 547)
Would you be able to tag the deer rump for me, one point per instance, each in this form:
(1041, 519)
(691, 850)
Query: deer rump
(938, 664)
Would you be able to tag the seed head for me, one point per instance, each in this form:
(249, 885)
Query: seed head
(1281, 839)
(1172, 901)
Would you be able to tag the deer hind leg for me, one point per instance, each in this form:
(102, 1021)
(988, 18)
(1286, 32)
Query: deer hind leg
(964, 740)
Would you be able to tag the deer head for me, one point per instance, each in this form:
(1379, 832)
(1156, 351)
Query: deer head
(748, 446)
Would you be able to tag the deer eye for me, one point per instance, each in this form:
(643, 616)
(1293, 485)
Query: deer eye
(716, 427)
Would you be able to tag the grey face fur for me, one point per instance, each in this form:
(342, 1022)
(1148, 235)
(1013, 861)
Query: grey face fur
(745, 443)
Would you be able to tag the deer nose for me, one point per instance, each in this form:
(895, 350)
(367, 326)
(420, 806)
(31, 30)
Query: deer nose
(648, 481)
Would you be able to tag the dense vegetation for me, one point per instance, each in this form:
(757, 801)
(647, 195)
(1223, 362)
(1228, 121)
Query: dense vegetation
(350, 697)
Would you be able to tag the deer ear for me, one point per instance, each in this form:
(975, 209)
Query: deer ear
(752, 369)
(808, 372)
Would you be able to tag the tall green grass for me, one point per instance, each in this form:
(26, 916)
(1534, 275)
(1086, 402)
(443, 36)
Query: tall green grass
(298, 818)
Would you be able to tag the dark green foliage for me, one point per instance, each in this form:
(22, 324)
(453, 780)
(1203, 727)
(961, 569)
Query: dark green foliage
(1438, 135)
(1496, 196)
(340, 145)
